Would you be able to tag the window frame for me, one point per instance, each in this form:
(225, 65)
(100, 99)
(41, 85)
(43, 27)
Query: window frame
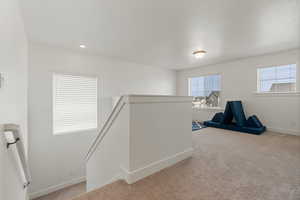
(221, 89)
(258, 81)
(98, 105)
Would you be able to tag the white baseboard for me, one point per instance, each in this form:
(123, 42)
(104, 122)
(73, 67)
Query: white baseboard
(138, 174)
(54, 188)
(284, 131)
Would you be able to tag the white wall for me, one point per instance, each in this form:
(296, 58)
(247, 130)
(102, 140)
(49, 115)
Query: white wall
(150, 133)
(13, 93)
(278, 112)
(59, 159)
(160, 133)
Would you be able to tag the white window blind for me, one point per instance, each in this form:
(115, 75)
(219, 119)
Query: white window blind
(277, 78)
(74, 103)
(205, 90)
(204, 85)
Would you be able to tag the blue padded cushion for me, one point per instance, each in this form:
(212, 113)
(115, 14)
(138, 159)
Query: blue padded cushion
(218, 117)
(228, 116)
(234, 127)
(195, 126)
(253, 121)
(238, 113)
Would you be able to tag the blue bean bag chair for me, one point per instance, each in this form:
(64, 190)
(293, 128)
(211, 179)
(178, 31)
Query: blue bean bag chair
(234, 111)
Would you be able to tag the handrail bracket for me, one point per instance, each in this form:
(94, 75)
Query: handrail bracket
(11, 143)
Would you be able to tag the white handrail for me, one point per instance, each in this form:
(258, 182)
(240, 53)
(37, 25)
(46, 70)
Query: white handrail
(14, 139)
(105, 128)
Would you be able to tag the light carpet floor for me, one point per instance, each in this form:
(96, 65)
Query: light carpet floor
(226, 165)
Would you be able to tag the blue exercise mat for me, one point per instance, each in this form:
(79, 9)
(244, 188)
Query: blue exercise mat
(197, 126)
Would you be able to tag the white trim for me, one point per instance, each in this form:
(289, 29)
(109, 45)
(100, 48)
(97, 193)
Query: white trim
(134, 99)
(149, 102)
(208, 109)
(284, 131)
(152, 95)
(54, 188)
(277, 94)
(138, 174)
(77, 131)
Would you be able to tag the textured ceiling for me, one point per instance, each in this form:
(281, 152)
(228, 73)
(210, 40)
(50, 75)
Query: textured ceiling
(164, 33)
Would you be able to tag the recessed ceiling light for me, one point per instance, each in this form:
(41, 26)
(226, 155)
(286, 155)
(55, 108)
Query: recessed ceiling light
(82, 46)
(199, 53)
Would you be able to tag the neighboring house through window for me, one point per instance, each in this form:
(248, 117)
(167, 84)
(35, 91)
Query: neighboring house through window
(277, 79)
(205, 90)
(74, 103)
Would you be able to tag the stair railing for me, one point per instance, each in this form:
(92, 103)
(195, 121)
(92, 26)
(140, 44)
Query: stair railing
(105, 128)
(12, 135)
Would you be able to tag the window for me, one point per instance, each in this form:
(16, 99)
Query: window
(277, 79)
(74, 103)
(205, 90)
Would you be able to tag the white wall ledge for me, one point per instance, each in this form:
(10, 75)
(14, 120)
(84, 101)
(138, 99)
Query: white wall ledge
(133, 99)
(277, 94)
(209, 109)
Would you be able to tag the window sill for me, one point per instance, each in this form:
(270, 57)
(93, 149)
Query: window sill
(75, 131)
(277, 94)
(209, 109)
